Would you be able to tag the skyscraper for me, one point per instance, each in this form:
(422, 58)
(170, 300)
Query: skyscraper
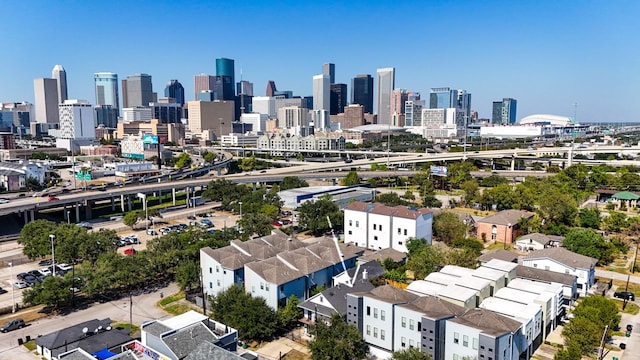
(271, 89)
(398, 99)
(137, 90)
(106, 84)
(60, 75)
(202, 83)
(175, 90)
(504, 112)
(244, 87)
(338, 98)
(321, 92)
(46, 99)
(329, 69)
(77, 120)
(386, 84)
(445, 98)
(362, 92)
(226, 67)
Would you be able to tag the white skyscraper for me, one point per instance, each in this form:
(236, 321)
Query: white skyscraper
(60, 75)
(321, 92)
(76, 120)
(264, 105)
(386, 84)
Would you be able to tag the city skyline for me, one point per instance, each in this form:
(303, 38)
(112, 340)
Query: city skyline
(548, 55)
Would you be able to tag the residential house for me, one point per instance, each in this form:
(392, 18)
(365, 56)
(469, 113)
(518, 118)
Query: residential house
(499, 254)
(79, 354)
(482, 334)
(502, 227)
(561, 260)
(569, 282)
(544, 301)
(377, 226)
(91, 336)
(538, 241)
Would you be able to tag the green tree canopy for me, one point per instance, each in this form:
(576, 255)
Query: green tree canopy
(447, 227)
(292, 182)
(351, 179)
(337, 341)
(183, 160)
(589, 218)
(589, 243)
(391, 199)
(410, 354)
(313, 215)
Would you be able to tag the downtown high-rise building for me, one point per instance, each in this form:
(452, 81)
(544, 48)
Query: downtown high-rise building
(244, 87)
(386, 84)
(137, 90)
(175, 90)
(504, 112)
(46, 100)
(338, 98)
(106, 84)
(271, 89)
(202, 82)
(413, 112)
(362, 92)
(321, 92)
(329, 69)
(446, 98)
(76, 120)
(60, 75)
(226, 67)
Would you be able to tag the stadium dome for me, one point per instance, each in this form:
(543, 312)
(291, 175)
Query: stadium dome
(546, 119)
(377, 127)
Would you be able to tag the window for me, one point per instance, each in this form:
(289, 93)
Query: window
(481, 347)
(405, 232)
(217, 269)
(381, 334)
(456, 357)
(368, 329)
(368, 310)
(357, 223)
(375, 332)
(253, 288)
(566, 271)
(403, 341)
(224, 272)
(411, 324)
(350, 222)
(465, 340)
(546, 267)
(399, 231)
(261, 286)
(210, 271)
(419, 326)
(266, 287)
(218, 282)
(535, 265)
(380, 227)
(375, 313)
(382, 315)
(375, 226)
(456, 338)
(350, 232)
(411, 343)
(210, 285)
(404, 322)
(375, 238)
(475, 343)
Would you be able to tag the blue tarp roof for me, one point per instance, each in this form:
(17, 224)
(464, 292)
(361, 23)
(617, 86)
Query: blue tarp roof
(104, 354)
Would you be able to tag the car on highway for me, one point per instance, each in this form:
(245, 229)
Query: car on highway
(151, 232)
(84, 225)
(53, 198)
(625, 295)
(4, 201)
(12, 325)
(3, 291)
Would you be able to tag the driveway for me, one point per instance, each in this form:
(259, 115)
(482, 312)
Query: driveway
(144, 309)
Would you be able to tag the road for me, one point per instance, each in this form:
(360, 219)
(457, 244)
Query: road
(144, 309)
(617, 276)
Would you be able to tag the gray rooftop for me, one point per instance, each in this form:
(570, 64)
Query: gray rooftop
(186, 340)
(207, 350)
(563, 256)
(389, 294)
(531, 273)
(156, 328)
(507, 217)
(384, 254)
(487, 321)
(71, 334)
(499, 254)
(434, 308)
(541, 239)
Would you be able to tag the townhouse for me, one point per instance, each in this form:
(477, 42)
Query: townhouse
(561, 260)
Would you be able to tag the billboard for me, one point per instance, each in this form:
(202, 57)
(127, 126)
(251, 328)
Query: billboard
(150, 139)
(439, 170)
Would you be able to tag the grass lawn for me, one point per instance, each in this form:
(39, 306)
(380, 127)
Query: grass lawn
(497, 245)
(631, 308)
(172, 298)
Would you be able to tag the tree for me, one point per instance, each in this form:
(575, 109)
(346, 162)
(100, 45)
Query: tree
(426, 259)
(131, 218)
(615, 222)
(188, 275)
(589, 243)
(183, 160)
(255, 223)
(557, 207)
(584, 334)
(410, 354)
(351, 179)
(292, 182)
(391, 199)
(589, 218)
(313, 215)
(252, 317)
(337, 340)
(54, 291)
(471, 191)
(447, 227)
(289, 315)
(570, 352)
(248, 163)
(209, 157)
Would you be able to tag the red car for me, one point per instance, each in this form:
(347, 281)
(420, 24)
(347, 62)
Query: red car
(53, 198)
(276, 223)
(130, 251)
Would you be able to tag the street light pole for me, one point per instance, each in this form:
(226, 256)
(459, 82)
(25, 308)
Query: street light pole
(13, 289)
(146, 210)
(53, 255)
(68, 217)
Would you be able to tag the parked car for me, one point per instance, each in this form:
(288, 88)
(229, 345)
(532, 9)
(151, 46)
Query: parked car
(45, 271)
(191, 217)
(45, 262)
(626, 295)
(12, 325)
(20, 284)
(4, 201)
(206, 222)
(84, 225)
(64, 267)
(151, 232)
(3, 291)
(276, 224)
(130, 251)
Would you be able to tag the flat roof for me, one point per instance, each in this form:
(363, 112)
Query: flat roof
(423, 287)
(456, 270)
(488, 273)
(472, 282)
(458, 293)
(535, 286)
(521, 296)
(502, 265)
(511, 308)
(441, 278)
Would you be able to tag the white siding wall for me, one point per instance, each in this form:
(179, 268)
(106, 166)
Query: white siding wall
(551, 265)
(405, 329)
(373, 325)
(257, 286)
(213, 275)
(355, 227)
(403, 229)
(455, 349)
(379, 232)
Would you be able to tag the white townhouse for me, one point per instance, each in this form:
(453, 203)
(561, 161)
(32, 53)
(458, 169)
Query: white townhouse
(377, 226)
(561, 260)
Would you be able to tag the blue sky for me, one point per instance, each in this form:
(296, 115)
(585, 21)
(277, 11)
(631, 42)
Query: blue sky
(546, 54)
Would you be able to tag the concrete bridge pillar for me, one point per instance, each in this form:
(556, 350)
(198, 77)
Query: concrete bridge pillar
(513, 164)
(33, 215)
(77, 212)
(122, 202)
(113, 204)
(159, 196)
(570, 156)
(87, 210)
(129, 204)
(26, 217)
(173, 196)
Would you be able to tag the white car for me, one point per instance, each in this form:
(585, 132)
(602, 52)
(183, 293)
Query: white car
(64, 267)
(4, 201)
(20, 284)
(45, 271)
